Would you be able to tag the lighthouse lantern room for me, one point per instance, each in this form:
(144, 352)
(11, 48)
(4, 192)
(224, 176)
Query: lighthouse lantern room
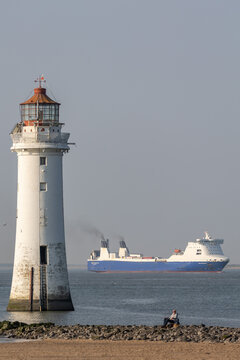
(40, 109)
(40, 276)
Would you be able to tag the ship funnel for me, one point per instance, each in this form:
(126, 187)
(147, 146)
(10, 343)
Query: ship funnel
(104, 243)
(104, 251)
(122, 244)
(123, 250)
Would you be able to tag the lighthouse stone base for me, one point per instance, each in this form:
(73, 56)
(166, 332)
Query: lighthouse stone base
(53, 305)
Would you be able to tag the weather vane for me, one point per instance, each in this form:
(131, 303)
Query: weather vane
(40, 80)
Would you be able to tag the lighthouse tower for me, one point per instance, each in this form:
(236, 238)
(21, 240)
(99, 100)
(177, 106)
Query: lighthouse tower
(40, 277)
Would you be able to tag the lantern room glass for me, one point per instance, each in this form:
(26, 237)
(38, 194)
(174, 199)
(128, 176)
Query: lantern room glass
(40, 112)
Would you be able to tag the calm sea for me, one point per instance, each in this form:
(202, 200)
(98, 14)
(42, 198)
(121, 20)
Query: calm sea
(144, 298)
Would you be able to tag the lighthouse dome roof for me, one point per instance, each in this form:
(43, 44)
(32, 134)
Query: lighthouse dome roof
(40, 97)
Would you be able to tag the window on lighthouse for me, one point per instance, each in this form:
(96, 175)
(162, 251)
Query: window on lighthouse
(43, 160)
(43, 112)
(43, 186)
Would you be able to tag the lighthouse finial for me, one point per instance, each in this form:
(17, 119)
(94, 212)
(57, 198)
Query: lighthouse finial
(40, 80)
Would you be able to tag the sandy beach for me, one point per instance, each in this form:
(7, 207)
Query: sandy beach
(88, 349)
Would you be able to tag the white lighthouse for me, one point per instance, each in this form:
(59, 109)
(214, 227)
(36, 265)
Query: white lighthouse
(40, 276)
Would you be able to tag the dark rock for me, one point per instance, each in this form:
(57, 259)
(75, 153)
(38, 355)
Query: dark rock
(187, 333)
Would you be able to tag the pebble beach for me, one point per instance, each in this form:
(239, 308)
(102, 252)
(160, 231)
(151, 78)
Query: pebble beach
(117, 342)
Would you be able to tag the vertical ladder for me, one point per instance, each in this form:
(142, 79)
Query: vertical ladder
(43, 288)
(31, 289)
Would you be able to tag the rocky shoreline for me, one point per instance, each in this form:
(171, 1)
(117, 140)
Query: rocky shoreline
(185, 333)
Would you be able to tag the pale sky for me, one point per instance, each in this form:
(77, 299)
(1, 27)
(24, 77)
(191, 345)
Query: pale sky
(150, 94)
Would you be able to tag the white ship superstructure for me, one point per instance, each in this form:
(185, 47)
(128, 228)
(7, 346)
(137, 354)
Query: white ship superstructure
(205, 249)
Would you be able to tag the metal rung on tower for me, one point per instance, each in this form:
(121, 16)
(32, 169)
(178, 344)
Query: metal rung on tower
(43, 288)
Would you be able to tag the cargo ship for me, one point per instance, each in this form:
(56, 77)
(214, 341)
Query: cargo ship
(203, 254)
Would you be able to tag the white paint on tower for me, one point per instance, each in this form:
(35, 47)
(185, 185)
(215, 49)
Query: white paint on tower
(40, 276)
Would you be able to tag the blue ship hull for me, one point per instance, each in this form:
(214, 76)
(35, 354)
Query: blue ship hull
(128, 266)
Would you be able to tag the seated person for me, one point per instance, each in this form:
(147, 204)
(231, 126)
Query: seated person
(173, 319)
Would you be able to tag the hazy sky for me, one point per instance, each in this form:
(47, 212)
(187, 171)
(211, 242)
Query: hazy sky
(150, 94)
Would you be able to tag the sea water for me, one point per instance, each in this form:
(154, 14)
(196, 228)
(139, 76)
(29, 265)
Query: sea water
(140, 298)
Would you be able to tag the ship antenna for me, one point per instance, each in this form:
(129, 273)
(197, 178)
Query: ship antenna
(207, 237)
